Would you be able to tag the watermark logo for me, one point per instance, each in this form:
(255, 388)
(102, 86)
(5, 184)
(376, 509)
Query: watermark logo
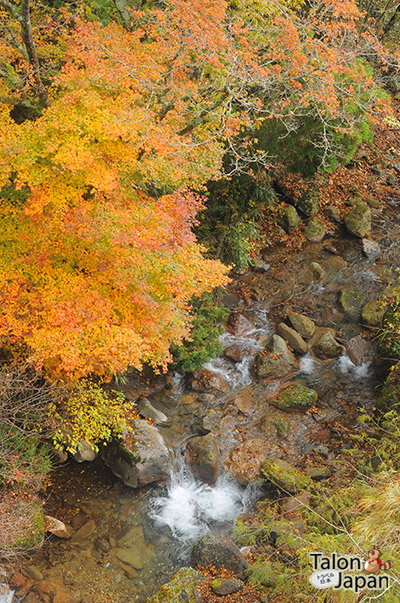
(332, 571)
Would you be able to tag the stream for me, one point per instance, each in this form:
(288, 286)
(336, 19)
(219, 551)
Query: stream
(162, 522)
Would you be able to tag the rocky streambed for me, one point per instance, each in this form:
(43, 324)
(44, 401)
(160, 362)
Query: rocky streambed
(299, 358)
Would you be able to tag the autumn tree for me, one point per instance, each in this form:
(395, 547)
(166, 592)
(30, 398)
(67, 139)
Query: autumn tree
(98, 257)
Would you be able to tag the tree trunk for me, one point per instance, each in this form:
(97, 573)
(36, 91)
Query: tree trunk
(26, 31)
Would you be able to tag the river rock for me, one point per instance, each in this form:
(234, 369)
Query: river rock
(317, 271)
(284, 475)
(276, 360)
(219, 552)
(204, 380)
(84, 532)
(234, 352)
(226, 587)
(302, 324)
(315, 231)
(142, 458)
(211, 422)
(308, 204)
(317, 474)
(358, 350)
(85, 451)
(289, 219)
(295, 396)
(351, 300)
(239, 325)
(324, 344)
(258, 265)
(371, 249)
(54, 589)
(293, 338)
(245, 460)
(333, 214)
(184, 587)
(34, 573)
(358, 220)
(57, 527)
(203, 457)
(132, 556)
(372, 313)
(147, 410)
(275, 423)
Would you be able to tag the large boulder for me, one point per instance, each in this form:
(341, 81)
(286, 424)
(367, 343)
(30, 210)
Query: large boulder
(358, 220)
(302, 324)
(220, 553)
(284, 475)
(293, 338)
(203, 457)
(324, 344)
(276, 360)
(141, 458)
(245, 460)
(289, 219)
(295, 396)
(204, 380)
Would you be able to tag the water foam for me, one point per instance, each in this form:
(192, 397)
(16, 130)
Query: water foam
(345, 366)
(190, 508)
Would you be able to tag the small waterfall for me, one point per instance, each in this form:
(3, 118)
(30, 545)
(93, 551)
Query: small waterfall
(6, 595)
(238, 374)
(345, 366)
(191, 508)
(307, 364)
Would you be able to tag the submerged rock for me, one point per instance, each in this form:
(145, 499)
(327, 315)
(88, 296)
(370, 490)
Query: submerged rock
(295, 397)
(284, 475)
(203, 457)
(142, 458)
(245, 460)
(276, 423)
(276, 360)
(211, 422)
(358, 220)
(351, 300)
(220, 553)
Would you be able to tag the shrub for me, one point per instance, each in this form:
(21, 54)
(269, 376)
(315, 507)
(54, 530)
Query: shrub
(203, 344)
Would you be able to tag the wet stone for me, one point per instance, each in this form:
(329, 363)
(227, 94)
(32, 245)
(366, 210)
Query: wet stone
(84, 532)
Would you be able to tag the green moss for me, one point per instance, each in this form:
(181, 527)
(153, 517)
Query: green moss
(295, 397)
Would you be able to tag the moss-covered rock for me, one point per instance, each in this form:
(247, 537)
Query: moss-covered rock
(295, 397)
(275, 423)
(315, 231)
(184, 587)
(350, 299)
(289, 219)
(372, 313)
(203, 457)
(284, 475)
(358, 220)
(325, 345)
(333, 214)
(276, 360)
(302, 324)
(389, 341)
(308, 204)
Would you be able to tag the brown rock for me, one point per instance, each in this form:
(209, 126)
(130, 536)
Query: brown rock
(203, 457)
(84, 532)
(18, 580)
(57, 527)
(54, 589)
(234, 352)
(240, 325)
(358, 350)
(293, 338)
(207, 381)
(293, 504)
(244, 461)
